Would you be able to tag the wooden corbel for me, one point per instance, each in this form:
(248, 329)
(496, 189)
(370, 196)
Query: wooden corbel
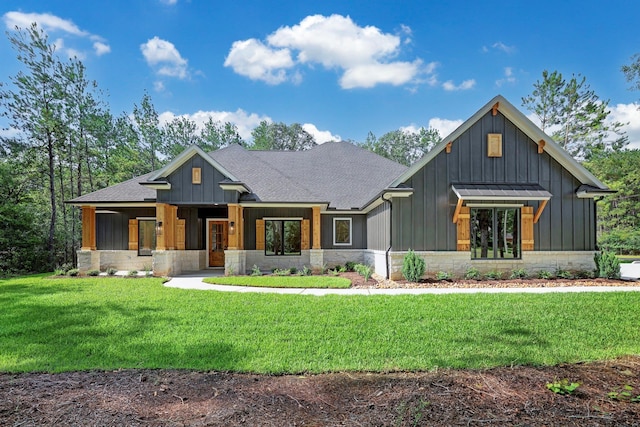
(536, 217)
(447, 147)
(541, 145)
(494, 109)
(456, 213)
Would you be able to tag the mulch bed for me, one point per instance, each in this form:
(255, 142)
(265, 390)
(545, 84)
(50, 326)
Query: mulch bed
(501, 396)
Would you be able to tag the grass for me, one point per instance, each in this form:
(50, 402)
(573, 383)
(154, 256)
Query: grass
(628, 258)
(75, 324)
(282, 281)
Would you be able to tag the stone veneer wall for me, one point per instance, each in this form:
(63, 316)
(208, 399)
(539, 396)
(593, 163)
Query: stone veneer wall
(457, 263)
(265, 262)
(163, 263)
(334, 257)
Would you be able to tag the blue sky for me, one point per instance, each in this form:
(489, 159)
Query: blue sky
(341, 68)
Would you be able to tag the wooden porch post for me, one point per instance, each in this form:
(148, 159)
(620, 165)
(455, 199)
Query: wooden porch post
(316, 228)
(234, 226)
(161, 227)
(88, 228)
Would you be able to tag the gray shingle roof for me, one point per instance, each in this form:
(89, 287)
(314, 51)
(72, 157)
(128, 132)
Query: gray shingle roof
(339, 173)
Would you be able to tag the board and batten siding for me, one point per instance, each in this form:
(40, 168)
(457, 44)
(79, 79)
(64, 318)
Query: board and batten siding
(112, 228)
(378, 233)
(184, 192)
(358, 232)
(424, 220)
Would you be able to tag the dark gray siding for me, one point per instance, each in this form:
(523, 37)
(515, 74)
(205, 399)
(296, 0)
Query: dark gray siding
(252, 214)
(358, 232)
(184, 192)
(378, 228)
(112, 229)
(423, 221)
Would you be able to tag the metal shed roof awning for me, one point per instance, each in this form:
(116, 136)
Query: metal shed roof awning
(501, 192)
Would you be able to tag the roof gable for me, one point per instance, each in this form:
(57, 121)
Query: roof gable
(526, 126)
(183, 157)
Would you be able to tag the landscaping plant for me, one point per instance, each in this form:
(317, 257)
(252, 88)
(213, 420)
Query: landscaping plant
(413, 267)
(607, 265)
(473, 274)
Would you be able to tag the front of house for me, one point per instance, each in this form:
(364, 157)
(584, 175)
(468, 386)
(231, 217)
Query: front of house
(497, 194)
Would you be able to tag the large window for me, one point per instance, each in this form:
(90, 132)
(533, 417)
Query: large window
(282, 237)
(495, 233)
(146, 236)
(342, 231)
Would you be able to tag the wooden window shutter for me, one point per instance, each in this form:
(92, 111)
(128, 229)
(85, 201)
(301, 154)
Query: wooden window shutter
(259, 234)
(306, 233)
(527, 228)
(180, 235)
(133, 234)
(464, 229)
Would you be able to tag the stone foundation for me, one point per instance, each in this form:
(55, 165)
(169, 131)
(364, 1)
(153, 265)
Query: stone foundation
(235, 262)
(163, 263)
(458, 263)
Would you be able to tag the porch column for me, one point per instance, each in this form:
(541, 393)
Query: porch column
(88, 228)
(235, 226)
(316, 254)
(161, 226)
(316, 228)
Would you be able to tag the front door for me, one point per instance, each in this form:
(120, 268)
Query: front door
(217, 243)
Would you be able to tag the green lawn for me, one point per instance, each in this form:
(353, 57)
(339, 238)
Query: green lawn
(108, 323)
(282, 281)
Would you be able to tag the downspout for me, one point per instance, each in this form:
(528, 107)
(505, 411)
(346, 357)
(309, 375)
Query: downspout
(386, 254)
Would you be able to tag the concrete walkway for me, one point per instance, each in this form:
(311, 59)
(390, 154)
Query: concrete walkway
(194, 281)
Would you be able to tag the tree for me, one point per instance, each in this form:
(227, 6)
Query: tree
(632, 72)
(575, 115)
(178, 134)
(403, 146)
(279, 136)
(147, 128)
(215, 135)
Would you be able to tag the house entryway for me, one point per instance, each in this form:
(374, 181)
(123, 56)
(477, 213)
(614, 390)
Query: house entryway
(217, 242)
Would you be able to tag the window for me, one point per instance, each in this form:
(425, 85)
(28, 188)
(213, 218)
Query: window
(495, 233)
(282, 237)
(342, 231)
(146, 236)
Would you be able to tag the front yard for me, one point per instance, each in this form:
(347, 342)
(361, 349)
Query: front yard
(73, 324)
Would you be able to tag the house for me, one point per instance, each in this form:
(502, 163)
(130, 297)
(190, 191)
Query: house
(496, 194)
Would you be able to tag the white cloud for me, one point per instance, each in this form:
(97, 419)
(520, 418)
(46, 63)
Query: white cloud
(509, 77)
(321, 136)
(253, 59)
(501, 47)
(158, 86)
(244, 121)
(364, 54)
(54, 24)
(444, 126)
(163, 56)
(628, 113)
(169, 2)
(465, 85)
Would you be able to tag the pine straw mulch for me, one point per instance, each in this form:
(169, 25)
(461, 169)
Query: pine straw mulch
(500, 396)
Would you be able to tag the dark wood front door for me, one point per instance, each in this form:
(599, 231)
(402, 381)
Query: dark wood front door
(217, 243)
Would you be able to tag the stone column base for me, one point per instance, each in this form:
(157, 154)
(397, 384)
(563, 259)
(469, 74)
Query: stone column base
(88, 260)
(235, 262)
(316, 259)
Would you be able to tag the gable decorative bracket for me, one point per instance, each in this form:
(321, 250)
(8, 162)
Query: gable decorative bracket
(494, 109)
(536, 217)
(447, 147)
(456, 213)
(541, 145)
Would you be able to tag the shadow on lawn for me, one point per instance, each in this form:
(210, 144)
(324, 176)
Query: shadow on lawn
(41, 331)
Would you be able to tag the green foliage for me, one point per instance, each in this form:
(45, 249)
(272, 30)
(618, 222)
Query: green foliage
(293, 270)
(255, 271)
(472, 274)
(279, 136)
(624, 394)
(563, 274)
(413, 267)
(607, 265)
(546, 275)
(349, 265)
(494, 275)
(281, 272)
(282, 281)
(111, 271)
(93, 273)
(563, 386)
(519, 273)
(306, 271)
(364, 270)
(632, 72)
(443, 275)
(403, 146)
(132, 273)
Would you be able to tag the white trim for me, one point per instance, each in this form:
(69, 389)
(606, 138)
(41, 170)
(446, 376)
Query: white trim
(145, 218)
(495, 205)
(285, 218)
(350, 231)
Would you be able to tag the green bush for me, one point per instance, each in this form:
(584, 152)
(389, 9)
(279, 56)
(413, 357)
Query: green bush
(363, 270)
(349, 265)
(93, 273)
(544, 274)
(132, 273)
(305, 271)
(255, 271)
(293, 270)
(607, 265)
(519, 273)
(281, 272)
(413, 267)
(494, 275)
(473, 274)
(564, 274)
(111, 271)
(443, 275)
(73, 272)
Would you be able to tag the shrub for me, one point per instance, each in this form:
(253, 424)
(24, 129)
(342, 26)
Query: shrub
(58, 272)
(519, 273)
(73, 272)
(473, 274)
(93, 273)
(306, 271)
(546, 275)
(255, 271)
(494, 275)
(293, 270)
(281, 272)
(443, 275)
(363, 270)
(341, 269)
(111, 271)
(607, 265)
(563, 274)
(349, 265)
(132, 273)
(413, 267)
